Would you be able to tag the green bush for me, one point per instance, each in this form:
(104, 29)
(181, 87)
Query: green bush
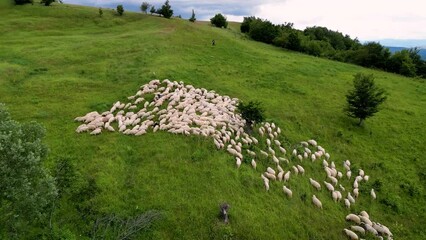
(120, 10)
(27, 189)
(251, 112)
(47, 2)
(219, 21)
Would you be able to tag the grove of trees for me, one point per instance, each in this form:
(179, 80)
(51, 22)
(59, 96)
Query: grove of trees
(322, 42)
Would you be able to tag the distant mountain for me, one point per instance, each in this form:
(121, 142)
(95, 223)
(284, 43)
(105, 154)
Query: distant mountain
(422, 51)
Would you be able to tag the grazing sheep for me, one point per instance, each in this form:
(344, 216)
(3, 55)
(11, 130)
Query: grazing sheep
(296, 171)
(294, 153)
(238, 162)
(264, 153)
(351, 234)
(354, 218)
(253, 163)
(312, 142)
(335, 196)
(300, 157)
(96, 131)
(315, 184)
(364, 214)
(333, 180)
(366, 220)
(373, 194)
(347, 203)
(270, 176)
(270, 170)
(355, 184)
(266, 183)
(277, 143)
(282, 150)
(301, 169)
(342, 188)
(305, 144)
(313, 157)
(275, 159)
(280, 176)
(316, 202)
(327, 156)
(324, 163)
(287, 176)
(287, 191)
(358, 229)
(356, 192)
(268, 142)
(366, 177)
(370, 229)
(280, 169)
(350, 198)
(339, 174)
(329, 186)
(361, 173)
(348, 174)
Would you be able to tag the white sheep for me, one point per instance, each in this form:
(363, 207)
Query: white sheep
(347, 203)
(342, 188)
(316, 202)
(270, 170)
(358, 229)
(238, 162)
(296, 171)
(96, 131)
(301, 169)
(350, 234)
(364, 214)
(348, 174)
(333, 180)
(329, 186)
(270, 176)
(350, 198)
(253, 163)
(287, 176)
(354, 218)
(280, 169)
(280, 176)
(312, 142)
(373, 194)
(282, 150)
(356, 192)
(315, 184)
(287, 191)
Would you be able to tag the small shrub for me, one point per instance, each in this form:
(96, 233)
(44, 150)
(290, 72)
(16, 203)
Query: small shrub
(219, 21)
(101, 12)
(120, 10)
(166, 10)
(251, 112)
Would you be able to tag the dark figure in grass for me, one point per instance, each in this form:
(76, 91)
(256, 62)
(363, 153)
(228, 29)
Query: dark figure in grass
(213, 42)
(224, 212)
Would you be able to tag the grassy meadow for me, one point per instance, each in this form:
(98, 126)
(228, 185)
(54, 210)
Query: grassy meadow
(60, 62)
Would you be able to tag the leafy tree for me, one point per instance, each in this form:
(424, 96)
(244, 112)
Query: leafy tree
(27, 189)
(251, 112)
(152, 10)
(144, 7)
(166, 10)
(192, 19)
(219, 21)
(101, 12)
(371, 54)
(294, 42)
(263, 31)
(401, 63)
(120, 10)
(364, 99)
(245, 25)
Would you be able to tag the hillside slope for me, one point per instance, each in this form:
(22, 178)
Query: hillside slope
(63, 61)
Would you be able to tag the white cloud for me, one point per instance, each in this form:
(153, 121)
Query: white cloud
(365, 19)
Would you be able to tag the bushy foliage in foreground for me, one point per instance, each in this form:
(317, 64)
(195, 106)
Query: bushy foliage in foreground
(27, 189)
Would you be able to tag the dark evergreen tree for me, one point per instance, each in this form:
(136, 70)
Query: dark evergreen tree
(192, 19)
(120, 10)
(166, 10)
(251, 112)
(364, 99)
(152, 10)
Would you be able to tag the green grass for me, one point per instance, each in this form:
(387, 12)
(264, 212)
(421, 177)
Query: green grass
(63, 61)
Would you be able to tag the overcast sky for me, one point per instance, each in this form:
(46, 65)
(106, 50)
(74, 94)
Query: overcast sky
(365, 19)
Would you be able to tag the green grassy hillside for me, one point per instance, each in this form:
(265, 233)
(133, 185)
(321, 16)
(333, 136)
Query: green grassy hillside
(63, 61)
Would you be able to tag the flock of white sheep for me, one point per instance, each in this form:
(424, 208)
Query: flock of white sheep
(366, 226)
(183, 109)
